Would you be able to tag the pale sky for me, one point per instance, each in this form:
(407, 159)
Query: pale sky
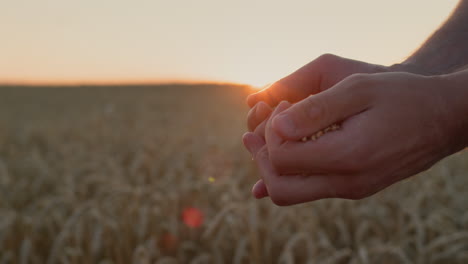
(246, 41)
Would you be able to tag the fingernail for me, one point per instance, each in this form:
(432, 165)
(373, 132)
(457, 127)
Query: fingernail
(255, 187)
(252, 112)
(284, 125)
(283, 105)
(250, 100)
(258, 190)
(246, 142)
(249, 144)
(253, 143)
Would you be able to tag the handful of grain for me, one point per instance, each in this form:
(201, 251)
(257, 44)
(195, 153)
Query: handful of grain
(322, 132)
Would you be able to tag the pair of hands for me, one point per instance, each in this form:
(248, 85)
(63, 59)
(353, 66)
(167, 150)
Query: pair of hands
(394, 124)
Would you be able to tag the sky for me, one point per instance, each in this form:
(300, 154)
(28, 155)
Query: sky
(244, 41)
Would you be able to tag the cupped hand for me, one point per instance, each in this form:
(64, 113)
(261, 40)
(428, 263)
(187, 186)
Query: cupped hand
(318, 75)
(393, 125)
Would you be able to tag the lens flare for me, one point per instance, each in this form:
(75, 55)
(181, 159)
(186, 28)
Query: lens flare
(192, 217)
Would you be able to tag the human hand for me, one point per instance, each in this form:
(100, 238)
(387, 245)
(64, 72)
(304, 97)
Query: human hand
(394, 126)
(315, 77)
(318, 75)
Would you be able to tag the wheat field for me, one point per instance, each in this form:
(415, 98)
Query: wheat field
(103, 174)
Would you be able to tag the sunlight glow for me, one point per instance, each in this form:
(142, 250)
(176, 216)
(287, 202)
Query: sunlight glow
(244, 41)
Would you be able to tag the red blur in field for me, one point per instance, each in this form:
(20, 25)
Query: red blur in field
(192, 217)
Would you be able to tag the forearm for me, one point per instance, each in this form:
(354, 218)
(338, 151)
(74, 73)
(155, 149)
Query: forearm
(446, 50)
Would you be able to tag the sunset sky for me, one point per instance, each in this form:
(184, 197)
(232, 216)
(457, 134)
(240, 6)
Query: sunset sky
(246, 41)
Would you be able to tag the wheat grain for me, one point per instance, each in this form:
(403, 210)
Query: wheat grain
(322, 132)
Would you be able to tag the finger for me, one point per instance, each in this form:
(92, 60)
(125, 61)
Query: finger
(253, 143)
(259, 152)
(267, 173)
(309, 79)
(260, 129)
(316, 76)
(257, 115)
(292, 88)
(251, 118)
(321, 110)
(271, 137)
(295, 189)
(340, 152)
(259, 190)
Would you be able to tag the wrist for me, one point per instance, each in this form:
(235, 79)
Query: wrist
(455, 93)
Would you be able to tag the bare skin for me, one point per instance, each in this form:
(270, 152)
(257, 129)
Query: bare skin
(395, 124)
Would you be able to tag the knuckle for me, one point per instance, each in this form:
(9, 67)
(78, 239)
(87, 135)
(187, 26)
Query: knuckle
(362, 80)
(358, 78)
(361, 84)
(326, 59)
(319, 105)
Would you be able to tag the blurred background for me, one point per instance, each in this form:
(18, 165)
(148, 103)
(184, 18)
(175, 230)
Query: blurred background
(121, 125)
(250, 42)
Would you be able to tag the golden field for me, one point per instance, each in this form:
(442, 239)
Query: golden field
(103, 174)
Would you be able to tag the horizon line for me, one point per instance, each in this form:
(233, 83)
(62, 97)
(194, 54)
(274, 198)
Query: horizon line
(119, 83)
(122, 82)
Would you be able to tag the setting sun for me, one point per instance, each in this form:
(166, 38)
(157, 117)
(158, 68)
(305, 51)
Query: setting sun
(252, 42)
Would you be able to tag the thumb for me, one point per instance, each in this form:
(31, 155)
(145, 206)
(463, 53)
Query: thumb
(321, 110)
